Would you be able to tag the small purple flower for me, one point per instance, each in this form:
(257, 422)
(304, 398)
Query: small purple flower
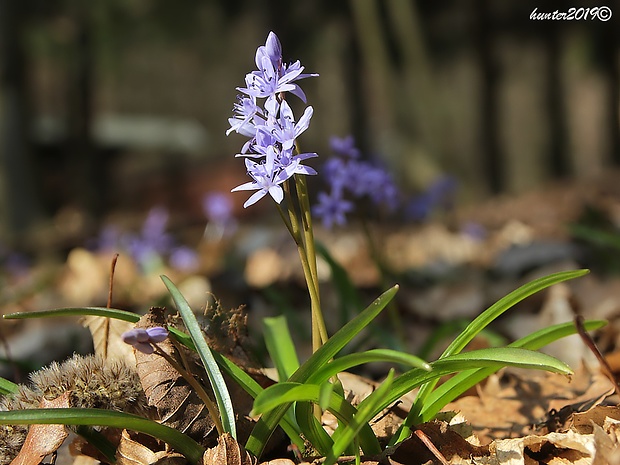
(344, 146)
(438, 195)
(184, 259)
(347, 175)
(142, 339)
(270, 152)
(218, 207)
(246, 117)
(265, 181)
(332, 209)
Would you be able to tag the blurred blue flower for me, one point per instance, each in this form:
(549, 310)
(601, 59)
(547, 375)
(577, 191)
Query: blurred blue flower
(332, 209)
(344, 146)
(439, 195)
(151, 246)
(348, 176)
(218, 208)
(184, 259)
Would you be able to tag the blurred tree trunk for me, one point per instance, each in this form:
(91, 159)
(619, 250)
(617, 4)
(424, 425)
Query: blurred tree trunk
(489, 105)
(87, 171)
(19, 209)
(559, 157)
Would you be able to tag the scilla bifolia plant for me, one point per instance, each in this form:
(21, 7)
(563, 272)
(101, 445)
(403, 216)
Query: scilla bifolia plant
(304, 390)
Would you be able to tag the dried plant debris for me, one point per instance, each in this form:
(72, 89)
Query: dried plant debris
(178, 406)
(227, 452)
(84, 382)
(176, 402)
(137, 449)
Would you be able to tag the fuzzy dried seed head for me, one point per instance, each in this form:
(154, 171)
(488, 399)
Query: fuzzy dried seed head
(91, 382)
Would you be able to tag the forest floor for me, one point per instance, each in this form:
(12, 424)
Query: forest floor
(448, 273)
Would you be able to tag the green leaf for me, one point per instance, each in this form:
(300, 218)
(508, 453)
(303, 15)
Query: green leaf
(484, 358)
(325, 393)
(7, 387)
(244, 380)
(312, 428)
(98, 441)
(366, 411)
(268, 422)
(99, 417)
(349, 361)
(482, 321)
(280, 346)
(76, 311)
(461, 382)
(222, 396)
(283, 394)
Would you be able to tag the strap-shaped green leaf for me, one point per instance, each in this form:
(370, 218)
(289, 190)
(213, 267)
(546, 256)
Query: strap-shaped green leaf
(480, 322)
(349, 361)
(366, 411)
(280, 346)
(99, 417)
(286, 393)
(76, 311)
(268, 422)
(222, 396)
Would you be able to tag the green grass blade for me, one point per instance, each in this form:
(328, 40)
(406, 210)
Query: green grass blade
(7, 387)
(312, 428)
(325, 393)
(280, 346)
(244, 380)
(461, 382)
(283, 394)
(366, 411)
(349, 361)
(486, 317)
(222, 396)
(506, 303)
(98, 441)
(76, 311)
(267, 423)
(483, 358)
(98, 417)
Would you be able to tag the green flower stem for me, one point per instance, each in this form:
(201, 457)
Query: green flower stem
(319, 331)
(213, 412)
(304, 203)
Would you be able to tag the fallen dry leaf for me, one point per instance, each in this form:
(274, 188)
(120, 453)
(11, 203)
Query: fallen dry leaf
(583, 422)
(448, 442)
(106, 334)
(228, 452)
(176, 402)
(43, 440)
(554, 448)
(139, 449)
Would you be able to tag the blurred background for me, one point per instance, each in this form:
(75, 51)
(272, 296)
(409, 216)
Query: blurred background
(119, 105)
(502, 130)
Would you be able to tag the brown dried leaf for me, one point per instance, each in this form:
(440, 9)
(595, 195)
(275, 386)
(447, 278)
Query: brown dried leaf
(177, 404)
(566, 448)
(279, 462)
(106, 333)
(583, 422)
(140, 449)
(228, 452)
(449, 443)
(43, 440)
